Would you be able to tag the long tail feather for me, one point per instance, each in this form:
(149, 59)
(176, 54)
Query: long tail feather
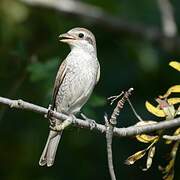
(49, 152)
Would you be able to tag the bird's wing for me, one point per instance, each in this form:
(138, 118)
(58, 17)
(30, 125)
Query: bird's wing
(98, 74)
(58, 81)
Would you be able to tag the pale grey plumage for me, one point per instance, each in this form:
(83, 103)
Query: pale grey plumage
(74, 82)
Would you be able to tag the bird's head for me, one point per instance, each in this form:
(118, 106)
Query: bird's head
(80, 38)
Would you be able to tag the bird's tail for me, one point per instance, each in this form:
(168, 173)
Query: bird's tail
(49, 152)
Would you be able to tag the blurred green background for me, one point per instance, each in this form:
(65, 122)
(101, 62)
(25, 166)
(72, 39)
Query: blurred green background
(30, 54)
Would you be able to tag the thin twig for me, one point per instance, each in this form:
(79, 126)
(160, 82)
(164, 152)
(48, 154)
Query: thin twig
(134, 111)
(172, 138)
(111, 123)
(114, 98)
(120, 132)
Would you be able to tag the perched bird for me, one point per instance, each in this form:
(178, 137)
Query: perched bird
(74, 83)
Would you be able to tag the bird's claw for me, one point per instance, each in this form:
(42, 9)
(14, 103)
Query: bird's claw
(52, 122)
(48, 115)
(92, 124)
(62, 125)
(56, 127)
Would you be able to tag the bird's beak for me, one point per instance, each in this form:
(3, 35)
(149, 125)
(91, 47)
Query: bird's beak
(66, 38)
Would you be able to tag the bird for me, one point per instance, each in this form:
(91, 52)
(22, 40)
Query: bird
(75, 80)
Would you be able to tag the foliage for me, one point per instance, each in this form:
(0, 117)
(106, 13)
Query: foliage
(166, 108)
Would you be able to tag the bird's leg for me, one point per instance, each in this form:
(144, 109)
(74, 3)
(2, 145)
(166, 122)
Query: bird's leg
(62, 125)
(92, 123)
(48, 115)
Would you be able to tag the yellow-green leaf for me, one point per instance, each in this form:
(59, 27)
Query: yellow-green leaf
(151, 153)
(173, 101)
(169, 171)
(169, 166)
(138, 155)
(177, 132)
(146, 138)
(154, 110)
(173, 89)
(175, 65)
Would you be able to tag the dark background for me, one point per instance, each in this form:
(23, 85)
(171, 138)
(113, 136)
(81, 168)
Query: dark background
(30, 54)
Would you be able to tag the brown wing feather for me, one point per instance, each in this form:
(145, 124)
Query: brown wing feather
(58, 81)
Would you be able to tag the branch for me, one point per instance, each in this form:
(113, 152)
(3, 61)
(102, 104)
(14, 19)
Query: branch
(172, 138)
(98, 16)
(167, 16)
(111, 124)
(109, 136)
(120, 132)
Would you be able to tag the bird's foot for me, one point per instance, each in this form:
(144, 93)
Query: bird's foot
(92, 123)
(48, 115)
(63, 125)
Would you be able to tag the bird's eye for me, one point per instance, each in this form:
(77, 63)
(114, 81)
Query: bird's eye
(81, 35)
